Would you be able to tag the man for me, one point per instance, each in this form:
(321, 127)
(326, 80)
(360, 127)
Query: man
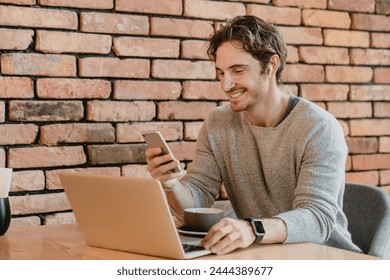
(281, 158)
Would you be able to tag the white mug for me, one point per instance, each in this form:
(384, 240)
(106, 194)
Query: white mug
(5, 181)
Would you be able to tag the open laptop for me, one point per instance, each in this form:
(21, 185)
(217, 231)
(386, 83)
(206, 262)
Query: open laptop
(127, 214)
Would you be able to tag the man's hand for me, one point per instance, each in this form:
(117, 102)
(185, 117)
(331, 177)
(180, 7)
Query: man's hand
(161, 166)
(227, 235)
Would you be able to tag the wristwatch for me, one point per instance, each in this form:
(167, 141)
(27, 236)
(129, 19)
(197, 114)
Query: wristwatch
(258, 228)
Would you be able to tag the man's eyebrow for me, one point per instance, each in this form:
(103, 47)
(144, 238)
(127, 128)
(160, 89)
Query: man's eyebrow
(233, 66)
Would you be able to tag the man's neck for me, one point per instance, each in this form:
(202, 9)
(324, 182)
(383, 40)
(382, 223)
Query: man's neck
(270, 111)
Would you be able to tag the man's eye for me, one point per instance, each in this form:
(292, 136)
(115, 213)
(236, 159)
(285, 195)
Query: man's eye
(219, 74)
(238, 71)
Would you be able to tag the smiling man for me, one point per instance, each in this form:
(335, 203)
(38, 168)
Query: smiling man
(281, 158)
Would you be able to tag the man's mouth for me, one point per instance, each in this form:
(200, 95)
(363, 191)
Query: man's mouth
(237, 94)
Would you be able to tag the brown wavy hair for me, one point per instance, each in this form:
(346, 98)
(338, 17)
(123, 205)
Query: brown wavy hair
(260, 39)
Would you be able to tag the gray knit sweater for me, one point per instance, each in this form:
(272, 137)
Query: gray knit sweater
(294, 171)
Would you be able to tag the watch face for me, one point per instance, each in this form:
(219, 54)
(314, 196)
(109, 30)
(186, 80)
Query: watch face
(259, 227)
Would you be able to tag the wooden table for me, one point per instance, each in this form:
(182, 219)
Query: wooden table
(65, 242)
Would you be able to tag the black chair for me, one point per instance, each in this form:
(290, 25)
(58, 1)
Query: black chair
(368, 212)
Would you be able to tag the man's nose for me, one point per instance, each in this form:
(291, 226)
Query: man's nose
(227, 83)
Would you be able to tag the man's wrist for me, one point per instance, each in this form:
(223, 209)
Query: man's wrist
(258, 228)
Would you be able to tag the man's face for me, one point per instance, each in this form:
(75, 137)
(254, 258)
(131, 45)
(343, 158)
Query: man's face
(241, 76)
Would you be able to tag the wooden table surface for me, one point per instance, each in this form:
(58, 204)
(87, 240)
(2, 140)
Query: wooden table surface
(65, 242)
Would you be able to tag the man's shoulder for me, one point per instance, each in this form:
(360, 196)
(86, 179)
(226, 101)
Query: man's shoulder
(312, 111)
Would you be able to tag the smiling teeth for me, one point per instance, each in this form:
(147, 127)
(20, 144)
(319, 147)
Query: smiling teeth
(237, 94)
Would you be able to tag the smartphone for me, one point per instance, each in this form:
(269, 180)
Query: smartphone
(153, 139)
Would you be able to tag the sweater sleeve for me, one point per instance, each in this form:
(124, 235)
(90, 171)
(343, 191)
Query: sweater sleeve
(320, 185)
(203, 177)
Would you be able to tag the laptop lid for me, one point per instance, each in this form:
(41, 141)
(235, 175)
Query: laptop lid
(125, 214)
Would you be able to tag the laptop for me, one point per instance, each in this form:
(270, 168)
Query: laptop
(127, 214)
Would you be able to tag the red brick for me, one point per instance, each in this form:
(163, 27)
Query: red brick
(31, 180)
(352, 6)
(42, 111)
(38, 64)
(203, 90)
(183, 69)
(384, 144)
(2, 157)
(344, 38)
(60, 218)
(19, 2)
(120, 111)
(26, 221)
(183, 150)
(146, 47)
(382, 7)
(45, 157)
(303, 73)
(384, 176)
(136, 170)
(73, 88)
(365, 177)
(321, 4)
(212, 10)
(13, 134)
(321, 104)
(116, 154)
(172, 7)
(114, 67)
(370, 92)
(348, 165)
(39, 203)
(381, 110)
(14, 39)
(14, 87)
(289, 89)
(191, 130)
(382, 75)
(70, 42)
(2, 111)
(362, 145)
(324, 92)
(302, 35)
(181, 27)
(380, 40)
(348, 74)
(370, 57)
(370, 22)
(324, 55)
(323, 18)
(35, 17)
(176, 110)
(154, 90)
(55, 134)
(371, 162)
(293, 56)
(194, 49)
(53, 181)
(132, 132)
(350, 109)
(276, 15)
(370, 127)
(87, 4)
(113, 23)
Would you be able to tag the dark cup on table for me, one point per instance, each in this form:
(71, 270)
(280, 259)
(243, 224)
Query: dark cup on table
(201, 219)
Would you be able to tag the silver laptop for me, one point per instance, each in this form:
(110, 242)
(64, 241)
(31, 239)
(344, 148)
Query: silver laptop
(127, 214)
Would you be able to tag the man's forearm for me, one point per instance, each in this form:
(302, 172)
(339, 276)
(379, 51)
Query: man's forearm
(178, 195)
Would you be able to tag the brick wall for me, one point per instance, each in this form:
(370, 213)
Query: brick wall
(81, 79)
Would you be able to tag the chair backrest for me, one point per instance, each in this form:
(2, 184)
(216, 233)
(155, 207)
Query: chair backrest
(368, 212)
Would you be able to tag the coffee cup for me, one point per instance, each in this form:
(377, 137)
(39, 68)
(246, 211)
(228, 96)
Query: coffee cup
(201, 219)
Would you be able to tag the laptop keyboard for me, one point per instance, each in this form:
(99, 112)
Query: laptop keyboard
(191, 248)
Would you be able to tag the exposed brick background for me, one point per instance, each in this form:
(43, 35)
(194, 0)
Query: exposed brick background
(80, 80)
